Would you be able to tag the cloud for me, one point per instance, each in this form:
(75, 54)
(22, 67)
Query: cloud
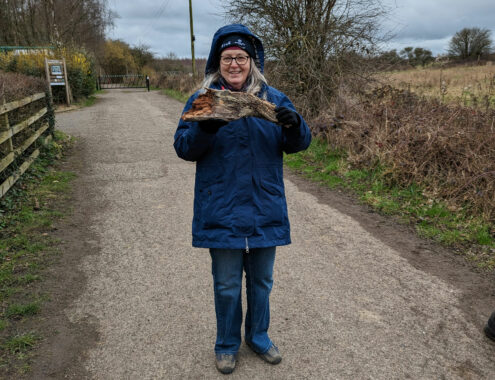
(432, 24)
(164, 24)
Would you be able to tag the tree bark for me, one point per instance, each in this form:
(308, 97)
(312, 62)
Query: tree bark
(227, 105)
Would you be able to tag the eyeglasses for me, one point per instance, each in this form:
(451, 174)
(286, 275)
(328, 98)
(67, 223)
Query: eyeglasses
(240, 60)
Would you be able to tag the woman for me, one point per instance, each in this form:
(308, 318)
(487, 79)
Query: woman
(240, 212)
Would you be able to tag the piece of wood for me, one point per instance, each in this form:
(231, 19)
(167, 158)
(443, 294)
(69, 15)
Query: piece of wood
(227, 105)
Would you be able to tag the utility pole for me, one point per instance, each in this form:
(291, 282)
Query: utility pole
(192, 39)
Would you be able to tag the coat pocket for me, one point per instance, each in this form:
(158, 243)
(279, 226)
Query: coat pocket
(212, 202)
(272, 208)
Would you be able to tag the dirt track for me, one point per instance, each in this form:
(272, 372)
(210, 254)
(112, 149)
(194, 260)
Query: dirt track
(355, 296)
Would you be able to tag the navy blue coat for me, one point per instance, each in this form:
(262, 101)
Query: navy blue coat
(239, 196)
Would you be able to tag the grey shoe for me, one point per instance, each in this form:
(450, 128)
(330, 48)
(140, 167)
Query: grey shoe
(225, 363)
(272, 356)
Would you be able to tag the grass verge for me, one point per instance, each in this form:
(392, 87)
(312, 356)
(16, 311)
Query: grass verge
(90, 100)
(175, 94)
(432, 218)
(27, 214)
(84, 102)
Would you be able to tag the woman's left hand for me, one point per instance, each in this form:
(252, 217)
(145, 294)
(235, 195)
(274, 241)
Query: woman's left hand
(287, 117)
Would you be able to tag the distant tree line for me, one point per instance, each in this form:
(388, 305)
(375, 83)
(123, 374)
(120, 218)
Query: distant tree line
(121, 58)
(414, 56)
(80, 23)
(466, 44)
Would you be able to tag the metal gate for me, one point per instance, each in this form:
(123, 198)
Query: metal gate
(123, 81)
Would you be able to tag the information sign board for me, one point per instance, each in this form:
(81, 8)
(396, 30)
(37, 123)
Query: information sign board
(56, 75)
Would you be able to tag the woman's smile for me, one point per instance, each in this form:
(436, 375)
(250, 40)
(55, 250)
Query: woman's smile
(233, 73)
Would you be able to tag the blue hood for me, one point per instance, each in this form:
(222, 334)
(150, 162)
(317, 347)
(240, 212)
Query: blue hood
(213, 58)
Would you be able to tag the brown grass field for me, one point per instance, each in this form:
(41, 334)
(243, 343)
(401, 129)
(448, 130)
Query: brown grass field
(467, 85)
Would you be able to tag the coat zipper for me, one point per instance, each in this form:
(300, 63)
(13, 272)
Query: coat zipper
(247, 246)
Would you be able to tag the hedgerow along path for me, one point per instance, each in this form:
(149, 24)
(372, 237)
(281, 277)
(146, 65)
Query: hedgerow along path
(356, 296)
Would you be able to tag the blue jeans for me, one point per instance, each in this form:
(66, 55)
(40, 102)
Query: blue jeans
(227, 267)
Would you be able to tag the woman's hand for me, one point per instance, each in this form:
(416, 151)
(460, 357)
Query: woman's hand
(287, 118)
(212, 125)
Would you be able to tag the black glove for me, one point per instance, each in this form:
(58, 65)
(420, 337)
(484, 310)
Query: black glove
(287, 117)
(212, 125)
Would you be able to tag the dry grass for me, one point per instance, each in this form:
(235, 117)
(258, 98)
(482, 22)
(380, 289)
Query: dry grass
(447, 149)
(184, 83)
(471, 85)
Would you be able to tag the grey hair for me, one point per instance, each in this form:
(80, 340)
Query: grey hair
(255, 80)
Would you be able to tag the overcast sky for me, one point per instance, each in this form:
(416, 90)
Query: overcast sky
(164, 24)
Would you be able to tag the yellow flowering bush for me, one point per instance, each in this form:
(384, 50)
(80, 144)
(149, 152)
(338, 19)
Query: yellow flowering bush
(80, 67)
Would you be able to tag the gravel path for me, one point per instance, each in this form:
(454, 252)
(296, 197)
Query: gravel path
(345, 305)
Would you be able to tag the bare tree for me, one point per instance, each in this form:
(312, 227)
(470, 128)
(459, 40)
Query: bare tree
(470, 43)
(312, 44)
(41, 22)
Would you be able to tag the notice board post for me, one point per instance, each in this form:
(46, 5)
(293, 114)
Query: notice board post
(56, 75)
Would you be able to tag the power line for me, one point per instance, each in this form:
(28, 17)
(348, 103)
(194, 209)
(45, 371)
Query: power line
(159, 12)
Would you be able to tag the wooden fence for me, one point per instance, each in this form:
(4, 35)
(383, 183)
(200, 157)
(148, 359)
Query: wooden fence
(12, 150)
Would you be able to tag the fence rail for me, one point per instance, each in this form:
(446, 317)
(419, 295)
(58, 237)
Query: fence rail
(12, 151)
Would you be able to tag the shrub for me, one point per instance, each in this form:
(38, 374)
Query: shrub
(449, 150)
(176, 81)
(17, 86)
(80, 69)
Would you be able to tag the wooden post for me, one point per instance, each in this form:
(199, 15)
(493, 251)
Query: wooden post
(50, 113)
(47, 70)
(67, 89)
(4, 124)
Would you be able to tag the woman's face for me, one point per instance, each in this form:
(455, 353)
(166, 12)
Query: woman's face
(233, 73)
